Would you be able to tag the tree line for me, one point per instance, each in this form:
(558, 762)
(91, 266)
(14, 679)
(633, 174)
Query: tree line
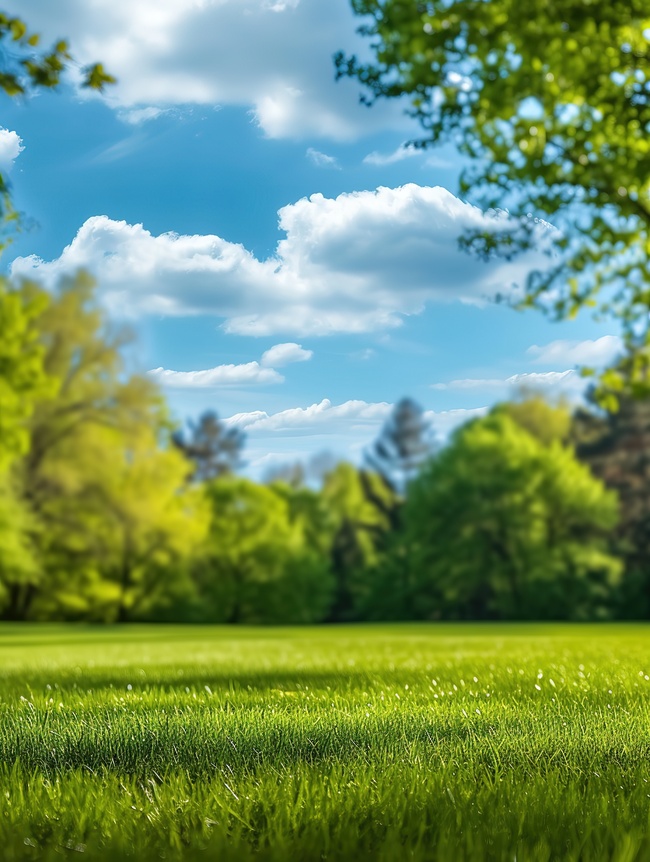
(109, 512)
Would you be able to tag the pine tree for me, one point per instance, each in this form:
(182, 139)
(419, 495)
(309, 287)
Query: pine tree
(404, 443)
(214, 448)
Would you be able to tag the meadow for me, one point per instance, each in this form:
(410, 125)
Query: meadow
(415, 742)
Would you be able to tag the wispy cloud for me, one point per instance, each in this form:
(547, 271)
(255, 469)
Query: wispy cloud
(322, 160)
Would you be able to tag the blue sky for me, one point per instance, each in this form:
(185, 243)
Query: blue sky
(281, 257)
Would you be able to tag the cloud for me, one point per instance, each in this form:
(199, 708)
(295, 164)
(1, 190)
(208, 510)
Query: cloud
(350, 418)
(352, 415)
(344, 430)
(402, 152)
(351, 264)
(11, 146)
(137, 116)
(223, 375)
(273, 57)
(285, 354)
(322, 160)
(569, 383)
(599, 352)
(405, 152)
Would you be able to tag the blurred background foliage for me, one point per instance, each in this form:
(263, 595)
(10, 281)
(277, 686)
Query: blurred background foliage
(109, 512)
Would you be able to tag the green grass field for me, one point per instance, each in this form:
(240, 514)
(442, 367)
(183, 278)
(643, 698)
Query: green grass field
(414, 742)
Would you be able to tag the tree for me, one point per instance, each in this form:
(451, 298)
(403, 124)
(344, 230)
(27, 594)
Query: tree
(616, 447)
(546, 422)
(257, 565)
(404, 443)
(501, 525)
(213, 447)
(551, 103)
(19, 567)
(362, 506)
(117, 536)
(23, 379)
(98, 477)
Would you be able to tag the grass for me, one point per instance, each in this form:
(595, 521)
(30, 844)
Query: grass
(442, 742)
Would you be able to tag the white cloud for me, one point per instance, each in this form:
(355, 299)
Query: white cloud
(599, 352)
(322, 160)
(11, 146)
(432, 160)
(402, 152)
(355, 263)
(271, 56)
(542, 378)
(284, 354)
(223, 375)
(569, 382)
(345, 430)
(137, 116)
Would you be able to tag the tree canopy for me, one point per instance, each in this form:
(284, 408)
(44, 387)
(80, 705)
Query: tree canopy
(551, 103)
(502, 525)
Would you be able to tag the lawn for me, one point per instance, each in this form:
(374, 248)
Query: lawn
(413, 742)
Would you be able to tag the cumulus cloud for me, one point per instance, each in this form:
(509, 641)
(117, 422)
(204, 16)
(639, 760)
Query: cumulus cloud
(223, 375)
(284, 354)
(322, 160)
(351, 264)
(11, 146)
(271, 56)
(599, 352)
(245, 374)
(349, 416)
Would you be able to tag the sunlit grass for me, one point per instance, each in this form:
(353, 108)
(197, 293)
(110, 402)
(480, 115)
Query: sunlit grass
(378, 742)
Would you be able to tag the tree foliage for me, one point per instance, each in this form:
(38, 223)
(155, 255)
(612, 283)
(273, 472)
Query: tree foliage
(551, 103)
(23, 379)
(97, 473)
(404, 443)
(214, 448)
(616, 447)
(502, 525)
(258, 565)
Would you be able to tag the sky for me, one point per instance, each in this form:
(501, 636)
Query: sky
(283, 258)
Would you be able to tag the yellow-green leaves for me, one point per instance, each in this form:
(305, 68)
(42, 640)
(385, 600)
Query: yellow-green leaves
(581, 160)
(23, 379)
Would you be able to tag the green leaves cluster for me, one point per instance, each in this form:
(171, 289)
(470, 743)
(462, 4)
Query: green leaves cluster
(505, 525)
(551, 103)
(27, 66)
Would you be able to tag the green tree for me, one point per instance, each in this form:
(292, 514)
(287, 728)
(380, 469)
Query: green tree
(99, 476)
(23, 379)
(258, 565)
(546, 422)
(615, 445)
(19, 566)
(502, 525)
(551, 103)
(362, 507)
